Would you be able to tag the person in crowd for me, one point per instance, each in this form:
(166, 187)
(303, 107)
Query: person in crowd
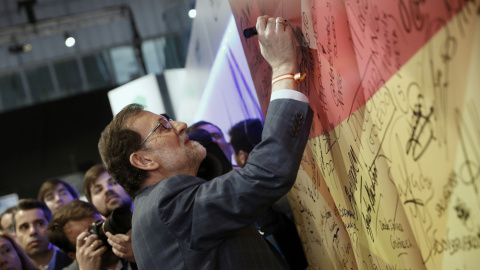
(12, 256)
(103, 191)
(185, 222)
(217, 136)
(276, 223)
(6, 222)
(244, 136)
(30, 219)
(69, 230)
(56, 192)
(215, 163)
(106, 195)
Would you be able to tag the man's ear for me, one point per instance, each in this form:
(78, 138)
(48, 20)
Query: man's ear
(143, 161)
(242, 158)
(72, 255)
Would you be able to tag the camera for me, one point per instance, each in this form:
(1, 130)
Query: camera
(119, 221)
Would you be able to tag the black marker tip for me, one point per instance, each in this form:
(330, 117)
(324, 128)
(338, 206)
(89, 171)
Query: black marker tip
(250, 32)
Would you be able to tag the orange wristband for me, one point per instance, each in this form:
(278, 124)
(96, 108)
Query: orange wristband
(296, 77)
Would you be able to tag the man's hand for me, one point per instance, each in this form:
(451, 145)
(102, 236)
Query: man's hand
(121, 245)
(89, 251)
(277, 44)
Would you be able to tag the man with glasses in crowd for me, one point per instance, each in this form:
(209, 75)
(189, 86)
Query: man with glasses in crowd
(181, 221)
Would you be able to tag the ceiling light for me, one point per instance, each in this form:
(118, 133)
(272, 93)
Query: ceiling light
(192, 13)
(27, 47)
(69, 40)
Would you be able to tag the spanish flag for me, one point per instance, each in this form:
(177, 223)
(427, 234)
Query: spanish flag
(390, 178)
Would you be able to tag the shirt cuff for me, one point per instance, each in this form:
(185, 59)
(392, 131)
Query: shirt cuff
(288, 94)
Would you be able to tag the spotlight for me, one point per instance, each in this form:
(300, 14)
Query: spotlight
(69, 40)
(192, 13)
(27, 47)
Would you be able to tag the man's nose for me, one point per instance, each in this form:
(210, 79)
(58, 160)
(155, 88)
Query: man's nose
(58, 198)
(179, 127)
(109, 190)
(33, 230)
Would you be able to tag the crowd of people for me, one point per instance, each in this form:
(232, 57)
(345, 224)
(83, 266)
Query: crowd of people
(193, 209)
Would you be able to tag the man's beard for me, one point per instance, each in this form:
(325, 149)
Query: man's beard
(189, 156)
(122, 203)
(196, 154)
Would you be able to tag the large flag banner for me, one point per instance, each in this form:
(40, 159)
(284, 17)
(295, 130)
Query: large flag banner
(390, 178)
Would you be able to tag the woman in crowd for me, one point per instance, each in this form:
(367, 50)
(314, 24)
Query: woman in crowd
(12, 255)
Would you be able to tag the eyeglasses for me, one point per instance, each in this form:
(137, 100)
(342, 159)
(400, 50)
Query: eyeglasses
(164, 122)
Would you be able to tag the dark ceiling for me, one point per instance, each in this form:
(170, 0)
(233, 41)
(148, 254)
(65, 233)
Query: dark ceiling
(59, 137)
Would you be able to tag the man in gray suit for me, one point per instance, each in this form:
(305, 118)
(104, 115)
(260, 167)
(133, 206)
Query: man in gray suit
(181, 221)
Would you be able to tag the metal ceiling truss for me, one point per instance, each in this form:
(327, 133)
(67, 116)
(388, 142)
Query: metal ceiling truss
(59, 25)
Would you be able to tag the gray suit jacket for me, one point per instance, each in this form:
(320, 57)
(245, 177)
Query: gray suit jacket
(185, 222)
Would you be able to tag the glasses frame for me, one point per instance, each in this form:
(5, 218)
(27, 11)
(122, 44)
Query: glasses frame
(166, 125)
